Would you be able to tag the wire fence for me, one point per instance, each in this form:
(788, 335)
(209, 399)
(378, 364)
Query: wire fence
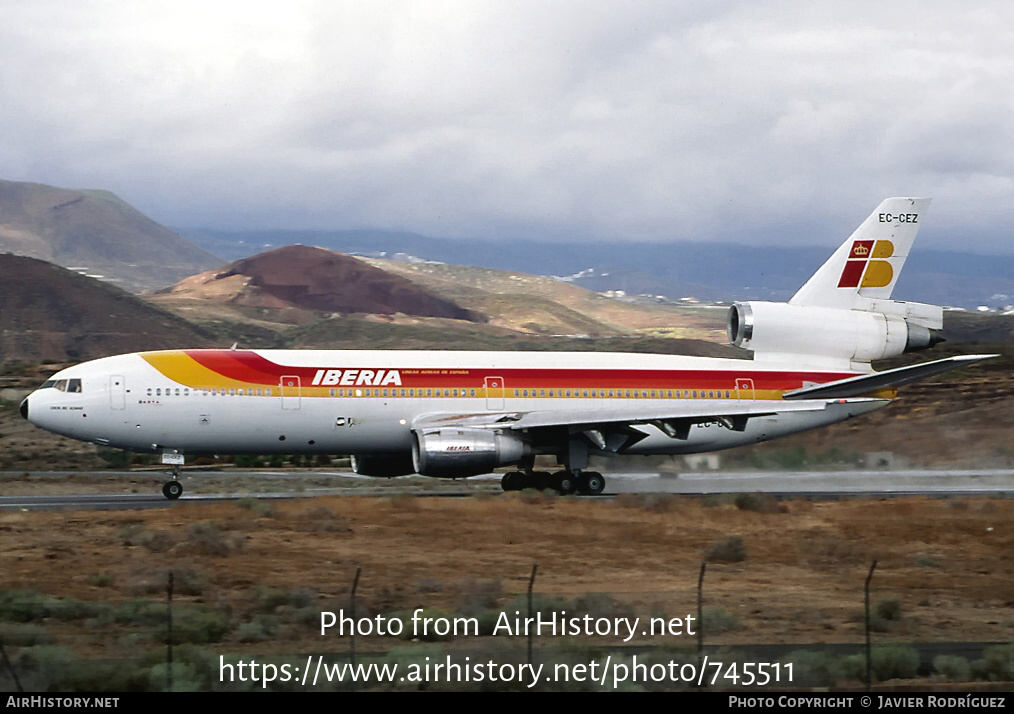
(699, 637)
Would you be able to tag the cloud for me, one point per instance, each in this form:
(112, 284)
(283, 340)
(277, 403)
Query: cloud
(727, 120)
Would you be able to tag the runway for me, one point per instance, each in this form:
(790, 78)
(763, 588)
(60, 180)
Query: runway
(141, 490)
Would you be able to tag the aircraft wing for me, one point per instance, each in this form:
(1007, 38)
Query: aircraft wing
(674, 419)
(853, 386)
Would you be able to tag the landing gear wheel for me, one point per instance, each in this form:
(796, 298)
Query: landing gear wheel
(566, 484)
(172, 490)
(512, 481)
(591, 483)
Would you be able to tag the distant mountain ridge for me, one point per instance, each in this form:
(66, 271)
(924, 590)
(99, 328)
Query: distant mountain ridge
(708, 271)
(97, 233)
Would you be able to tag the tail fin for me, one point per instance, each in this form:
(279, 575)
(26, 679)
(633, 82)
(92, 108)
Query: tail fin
(867, 265)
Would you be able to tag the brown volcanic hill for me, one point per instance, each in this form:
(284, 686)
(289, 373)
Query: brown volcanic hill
(95, 232)
(49, 313)
(318, 280)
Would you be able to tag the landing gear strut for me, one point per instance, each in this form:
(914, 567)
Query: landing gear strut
(588, 483)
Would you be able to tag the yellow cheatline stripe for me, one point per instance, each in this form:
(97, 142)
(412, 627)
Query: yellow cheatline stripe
(185, 370)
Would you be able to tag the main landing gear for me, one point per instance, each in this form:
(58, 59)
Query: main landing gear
(587, 483)
(173, 489)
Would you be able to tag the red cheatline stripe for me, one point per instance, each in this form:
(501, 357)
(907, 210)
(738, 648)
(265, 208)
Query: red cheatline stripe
(247, 366)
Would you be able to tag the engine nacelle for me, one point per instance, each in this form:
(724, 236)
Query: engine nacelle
(855, 335)
(382, 466)
(457, 453)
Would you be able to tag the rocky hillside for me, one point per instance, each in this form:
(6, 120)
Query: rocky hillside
(52, 314)
(97, 233)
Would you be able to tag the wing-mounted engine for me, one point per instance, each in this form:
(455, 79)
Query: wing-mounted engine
(886, 329)
(457, 453)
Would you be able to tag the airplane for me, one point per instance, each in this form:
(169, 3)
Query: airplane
(458, 414)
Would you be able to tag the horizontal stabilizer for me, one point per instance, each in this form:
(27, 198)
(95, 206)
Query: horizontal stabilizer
(854, 386)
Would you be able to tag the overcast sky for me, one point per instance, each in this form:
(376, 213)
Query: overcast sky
(746, 121)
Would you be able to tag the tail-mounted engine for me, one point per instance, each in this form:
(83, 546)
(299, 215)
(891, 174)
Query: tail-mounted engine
(457, 453)
(887, 329)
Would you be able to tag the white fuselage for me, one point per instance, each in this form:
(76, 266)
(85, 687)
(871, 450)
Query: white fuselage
(366, 402)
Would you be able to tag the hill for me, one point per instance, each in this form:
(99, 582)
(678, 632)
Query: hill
(97, 233)
(312, 280)
(48, 313)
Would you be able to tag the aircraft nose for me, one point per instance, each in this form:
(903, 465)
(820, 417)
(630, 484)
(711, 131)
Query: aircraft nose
(24, 408)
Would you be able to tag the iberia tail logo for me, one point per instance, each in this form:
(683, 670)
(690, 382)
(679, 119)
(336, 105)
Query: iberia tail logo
(866, 267)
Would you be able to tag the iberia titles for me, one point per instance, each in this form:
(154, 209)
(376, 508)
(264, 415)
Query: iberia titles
(356, 377)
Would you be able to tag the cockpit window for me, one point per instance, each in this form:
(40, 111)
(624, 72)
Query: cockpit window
(64, 385)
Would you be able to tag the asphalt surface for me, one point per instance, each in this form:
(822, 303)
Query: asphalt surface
(817, 484)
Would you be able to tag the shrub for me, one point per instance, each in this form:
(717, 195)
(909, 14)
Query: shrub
(886, 613)
(101, 580)
(728, 550)
(996, 665)
(717, 619)
(24, 635)
(759, 502)
(895, 662)
(956, 669)
(479, 595)
(208, 539)
(195, 626)
(814, 669)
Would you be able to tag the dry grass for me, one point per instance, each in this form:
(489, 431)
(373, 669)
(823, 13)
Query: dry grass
(801, 582)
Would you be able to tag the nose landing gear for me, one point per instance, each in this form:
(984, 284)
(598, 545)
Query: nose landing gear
(173, 489)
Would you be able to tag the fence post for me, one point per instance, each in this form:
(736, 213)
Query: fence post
(531, 584)
(355, 625)
(869, 658)
(169, 632)
(700, 616)
(10, 667)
